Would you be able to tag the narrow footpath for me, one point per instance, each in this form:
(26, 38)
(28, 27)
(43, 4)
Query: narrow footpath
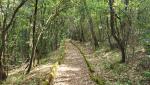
(74, 70)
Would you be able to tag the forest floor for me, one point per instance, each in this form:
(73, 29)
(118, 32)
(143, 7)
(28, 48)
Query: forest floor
(105, 63)
(38, 74)
(74, 70)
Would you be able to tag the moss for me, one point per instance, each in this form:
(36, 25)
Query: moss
(97, 79)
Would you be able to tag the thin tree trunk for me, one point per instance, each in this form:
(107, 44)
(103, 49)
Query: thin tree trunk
(2, 71)
(82, 38)
(123, 53)
(90, 22)
(4, 31)
(33, 41)
(109, 35)
(113, 31)
(92, 32)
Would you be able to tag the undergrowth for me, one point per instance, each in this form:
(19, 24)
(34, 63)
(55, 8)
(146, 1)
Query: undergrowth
(105, 63)
(38, 77)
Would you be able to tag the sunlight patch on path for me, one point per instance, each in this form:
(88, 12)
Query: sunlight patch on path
(66, 68)
(74, 70)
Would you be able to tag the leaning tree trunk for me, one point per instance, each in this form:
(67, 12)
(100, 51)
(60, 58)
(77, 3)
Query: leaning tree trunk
(33, 41)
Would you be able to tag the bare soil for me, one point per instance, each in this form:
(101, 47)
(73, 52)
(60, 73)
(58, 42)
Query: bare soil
(74, 70)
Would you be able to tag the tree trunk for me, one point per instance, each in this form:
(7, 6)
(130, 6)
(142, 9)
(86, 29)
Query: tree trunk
(109, 35)
(3, 37)
(109, 41)
(33, 41)
(82, 38)
(91, 27)
(113, 31)
(123, 54)
(92, 32)
(2, 72)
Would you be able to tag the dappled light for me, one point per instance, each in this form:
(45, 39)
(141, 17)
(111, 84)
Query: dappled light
(74, 42)
(74, 70)
(67, 68)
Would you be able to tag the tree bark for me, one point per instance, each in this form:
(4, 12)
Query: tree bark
(92, 32)
(33, 41)
(5, 28)
(2, 71)
(82, 38)
(113, 31)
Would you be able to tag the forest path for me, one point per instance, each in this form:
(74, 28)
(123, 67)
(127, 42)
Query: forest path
(74, 70)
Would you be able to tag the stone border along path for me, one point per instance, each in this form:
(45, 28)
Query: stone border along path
(73, 71)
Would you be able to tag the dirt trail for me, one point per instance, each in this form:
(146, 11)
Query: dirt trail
(74, 70)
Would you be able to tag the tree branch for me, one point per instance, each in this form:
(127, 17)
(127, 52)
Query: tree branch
(14, 15)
